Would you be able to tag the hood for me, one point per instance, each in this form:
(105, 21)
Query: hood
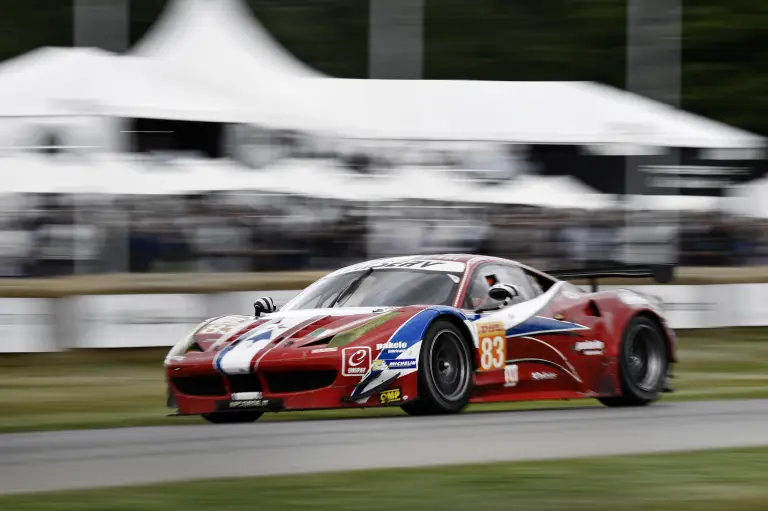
(297, 329)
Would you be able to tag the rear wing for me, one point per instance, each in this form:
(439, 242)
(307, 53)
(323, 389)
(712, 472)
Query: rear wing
(663, 273)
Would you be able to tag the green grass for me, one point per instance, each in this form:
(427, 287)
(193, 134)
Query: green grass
(115, 388)
(701, 481)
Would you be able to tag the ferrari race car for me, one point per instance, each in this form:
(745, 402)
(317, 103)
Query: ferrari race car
(429, 334)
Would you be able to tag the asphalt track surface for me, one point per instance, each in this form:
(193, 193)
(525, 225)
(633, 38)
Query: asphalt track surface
(84, 459)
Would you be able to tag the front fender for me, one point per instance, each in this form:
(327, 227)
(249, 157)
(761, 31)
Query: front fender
(416, 327)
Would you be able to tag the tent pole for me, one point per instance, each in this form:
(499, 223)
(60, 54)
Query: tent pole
(396, 39)
(653, 60)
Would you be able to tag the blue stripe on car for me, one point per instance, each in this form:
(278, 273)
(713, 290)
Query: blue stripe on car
(410, 333)
(542, 325)
(413, 330)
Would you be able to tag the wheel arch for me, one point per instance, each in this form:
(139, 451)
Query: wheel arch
(667, 334)
(460, 323)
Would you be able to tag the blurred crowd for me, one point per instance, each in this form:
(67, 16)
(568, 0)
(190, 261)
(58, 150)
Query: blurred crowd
(64, 235)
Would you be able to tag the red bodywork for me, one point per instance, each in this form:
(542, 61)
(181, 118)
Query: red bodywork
(297, 370)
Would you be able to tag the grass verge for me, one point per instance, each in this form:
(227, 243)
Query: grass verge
(702, 481)
(115, 388)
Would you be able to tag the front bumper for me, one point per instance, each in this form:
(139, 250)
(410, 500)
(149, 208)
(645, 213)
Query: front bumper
(261, 398)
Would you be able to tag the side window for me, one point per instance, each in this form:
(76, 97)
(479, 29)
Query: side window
(540, 283)
(477, 292)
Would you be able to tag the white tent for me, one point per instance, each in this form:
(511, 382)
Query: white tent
(312, 178)
(524, 112)
(563, 192)
(417, 183)
(29, 173)
(221, 33)
(681, 203)
(222, 40)
(750, 199)
(86, 81)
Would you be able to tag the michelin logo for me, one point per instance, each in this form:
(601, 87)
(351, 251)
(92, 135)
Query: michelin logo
(394, 347)
(405, 363)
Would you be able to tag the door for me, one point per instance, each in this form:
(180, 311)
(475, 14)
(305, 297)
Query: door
(525, 348)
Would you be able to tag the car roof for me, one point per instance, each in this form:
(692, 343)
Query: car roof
(458, 263)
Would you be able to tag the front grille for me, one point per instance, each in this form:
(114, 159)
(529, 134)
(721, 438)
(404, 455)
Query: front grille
(244, 383)
(200, 385)
(299, 381)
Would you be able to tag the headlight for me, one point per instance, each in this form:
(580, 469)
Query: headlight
(180, 348)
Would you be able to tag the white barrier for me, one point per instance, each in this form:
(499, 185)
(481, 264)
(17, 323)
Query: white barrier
(26, 325)
(131, 321)
(123, 321)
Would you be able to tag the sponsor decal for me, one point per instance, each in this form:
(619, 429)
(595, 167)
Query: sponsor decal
(379, 365)
(408, 264)
(324, 350)
(493, 345)
(404, 363)
(355, 361)
(511, 375)
(246, 396)
(249, 403)
(543, 376)
(395, 347)
(590, 347)
(390, 396)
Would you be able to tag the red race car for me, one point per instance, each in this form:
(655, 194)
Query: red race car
(429, 334)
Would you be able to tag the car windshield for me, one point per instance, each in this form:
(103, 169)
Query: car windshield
(379, 288)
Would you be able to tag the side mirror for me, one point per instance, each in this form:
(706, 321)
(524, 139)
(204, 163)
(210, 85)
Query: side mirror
(504, 292)
(263, 306)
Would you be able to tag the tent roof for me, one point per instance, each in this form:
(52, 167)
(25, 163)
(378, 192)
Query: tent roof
(87, 81)
(221, 33)
(683, 203)
(223, 40)
(524, 112)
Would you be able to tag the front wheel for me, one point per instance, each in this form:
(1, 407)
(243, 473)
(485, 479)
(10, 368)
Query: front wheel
(643, 364)
(232, 417)
(445, 372)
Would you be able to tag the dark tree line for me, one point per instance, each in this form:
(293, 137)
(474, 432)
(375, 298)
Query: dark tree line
(725, 64)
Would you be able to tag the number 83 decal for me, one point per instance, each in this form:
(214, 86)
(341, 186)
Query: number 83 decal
(493, 353)
(493, 346)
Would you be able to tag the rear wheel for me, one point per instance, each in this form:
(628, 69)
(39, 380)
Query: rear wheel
(232, 418)
(445, 372)
(643, 364)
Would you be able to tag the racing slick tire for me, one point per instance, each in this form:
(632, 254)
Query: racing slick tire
(445, 372)
(643, 363)
(232, 418)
